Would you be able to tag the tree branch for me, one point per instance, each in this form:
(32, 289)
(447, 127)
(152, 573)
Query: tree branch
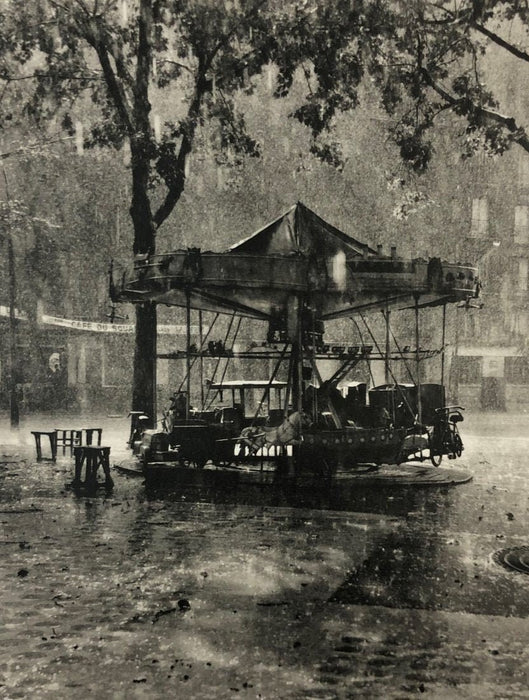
(30, 147)
(459, 17)
(115, 88)
(83, 6)
(42, 76)
(176, 183)
(60, 5)
(523, 55)
(121, 67)
(175, 63)
(519, 134)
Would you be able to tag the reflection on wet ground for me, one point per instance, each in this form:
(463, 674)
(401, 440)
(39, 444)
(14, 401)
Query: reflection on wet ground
(335, 495)
(226, 589)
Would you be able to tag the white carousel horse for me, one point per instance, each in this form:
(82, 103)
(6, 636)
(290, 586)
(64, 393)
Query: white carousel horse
(288, 433)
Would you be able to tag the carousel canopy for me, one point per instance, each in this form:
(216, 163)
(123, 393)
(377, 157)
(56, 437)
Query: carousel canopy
(299, 231)
(297, 260)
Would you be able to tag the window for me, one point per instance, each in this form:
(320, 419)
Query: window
(523, 269)
(79, 138)
(162, 372)
(517, 370)
(521, 224)
(523, 170)
(221, 177)
(116, 362)
(467, 369)
(480, 217)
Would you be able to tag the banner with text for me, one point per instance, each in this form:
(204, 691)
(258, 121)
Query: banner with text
(99, 327)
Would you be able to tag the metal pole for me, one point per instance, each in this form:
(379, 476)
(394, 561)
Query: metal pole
(454, 368)
(417, 361)
(188, 350)
(388, 349)
(443, 348)
(201, 359)
(14, 413)
(299, 406)
(291, 361)
(13, 360)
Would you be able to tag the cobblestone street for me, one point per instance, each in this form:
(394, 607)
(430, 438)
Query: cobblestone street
(261, 592)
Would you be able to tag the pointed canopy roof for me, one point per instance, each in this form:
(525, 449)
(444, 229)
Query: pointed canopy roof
(298, 256)
(299, 231)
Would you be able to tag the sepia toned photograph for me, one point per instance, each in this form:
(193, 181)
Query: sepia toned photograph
(264, 349)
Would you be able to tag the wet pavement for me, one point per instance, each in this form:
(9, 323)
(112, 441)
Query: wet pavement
(238, 589)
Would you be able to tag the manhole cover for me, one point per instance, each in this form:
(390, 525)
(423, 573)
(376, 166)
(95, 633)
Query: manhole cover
(516, 558)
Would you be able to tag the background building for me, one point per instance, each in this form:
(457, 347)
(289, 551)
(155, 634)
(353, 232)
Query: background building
(74, 220)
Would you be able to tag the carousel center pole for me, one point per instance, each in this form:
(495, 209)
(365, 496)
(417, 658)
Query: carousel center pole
(201, 340)
(388, 345)
(188, 349)
(297, 359)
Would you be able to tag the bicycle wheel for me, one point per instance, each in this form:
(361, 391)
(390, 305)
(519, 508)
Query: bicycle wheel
(435, 457)
(457, 444)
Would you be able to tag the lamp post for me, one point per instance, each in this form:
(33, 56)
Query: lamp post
(7, 237)
(14, 413)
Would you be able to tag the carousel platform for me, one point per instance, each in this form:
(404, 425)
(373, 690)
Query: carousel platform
(364, 475)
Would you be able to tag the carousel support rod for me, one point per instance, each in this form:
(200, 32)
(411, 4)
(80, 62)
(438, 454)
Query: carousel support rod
(314, 405)
(418, 361)
(188, 350)
(266, 393)
(397, 385)
(289, 382)
(299, 402)
(228, 358)
(219, 361)
(201, 347)
(388, 348)
(330, 404)
(406, 365)
(443, 347)
(296, 332)
(372, 378)
(201, 341)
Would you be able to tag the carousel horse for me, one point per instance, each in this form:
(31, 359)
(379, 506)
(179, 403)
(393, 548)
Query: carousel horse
(288, 433)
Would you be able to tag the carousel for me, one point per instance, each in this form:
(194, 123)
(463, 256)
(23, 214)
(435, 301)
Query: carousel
(307, 409)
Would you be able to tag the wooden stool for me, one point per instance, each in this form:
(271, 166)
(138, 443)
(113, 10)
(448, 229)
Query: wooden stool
(52, 435)
(68, 438)
(135, 426)
(92, 456)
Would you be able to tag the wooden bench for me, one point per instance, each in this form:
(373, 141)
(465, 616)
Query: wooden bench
(52, 435)
(91, 457)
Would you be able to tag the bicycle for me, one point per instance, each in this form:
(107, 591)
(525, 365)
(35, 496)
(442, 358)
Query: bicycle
(443, 437)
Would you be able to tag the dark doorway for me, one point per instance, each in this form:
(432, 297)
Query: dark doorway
(493, 394)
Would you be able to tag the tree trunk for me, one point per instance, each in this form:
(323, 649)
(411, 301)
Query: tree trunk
(144, 381)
